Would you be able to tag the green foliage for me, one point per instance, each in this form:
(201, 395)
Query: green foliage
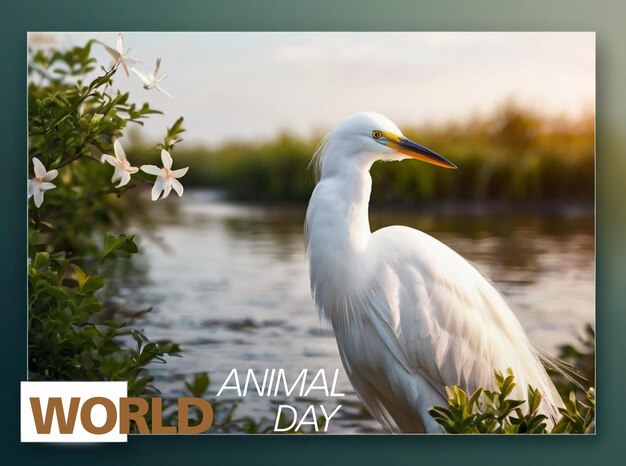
(172, 136)
(513, 154)
(487, 411)
(275, 170)
(72, 121)
(66, 342)
(199, 385)
(578, 416)
(118, 245)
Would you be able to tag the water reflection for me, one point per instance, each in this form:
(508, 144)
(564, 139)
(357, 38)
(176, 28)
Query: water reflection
(232, 286)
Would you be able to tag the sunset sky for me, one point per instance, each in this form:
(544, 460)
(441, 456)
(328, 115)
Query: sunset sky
(253, 85)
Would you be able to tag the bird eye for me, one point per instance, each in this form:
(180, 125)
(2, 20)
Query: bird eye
(377, 134)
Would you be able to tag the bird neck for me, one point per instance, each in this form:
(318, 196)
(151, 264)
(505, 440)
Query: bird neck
(337, 224)
(337, 233)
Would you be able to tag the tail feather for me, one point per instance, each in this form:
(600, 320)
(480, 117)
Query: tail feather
(565, 369)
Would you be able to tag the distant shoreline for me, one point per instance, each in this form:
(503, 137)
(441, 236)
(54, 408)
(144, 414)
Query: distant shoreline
(569, 208)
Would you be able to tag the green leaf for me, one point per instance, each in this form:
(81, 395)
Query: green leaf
(81, 276)
(173, 134)
(199, 385)
(114, 244)
(40, 259)
(93, 283)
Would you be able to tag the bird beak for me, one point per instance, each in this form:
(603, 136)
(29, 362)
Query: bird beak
(416, 151)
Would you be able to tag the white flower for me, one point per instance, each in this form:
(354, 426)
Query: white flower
(41, 183)
(120, 57)
(166, 177)
(123, 168)
(152, 80)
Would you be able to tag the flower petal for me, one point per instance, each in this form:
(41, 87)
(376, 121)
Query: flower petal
(31, 188)
(163, 91)
(168, 188)
(180, 172)
(51, 175)
(114, 53)
(124, 178)
(177, 186)
(151, 169)
(40, 170)
(111, 160)
(117, 174)
(119, 150)
(38, 197)
(47, 186)
(132, 169)
(166, 158)
(124, 65)
(157, 189)
(142, 76)
(158, 65)
(120, 44)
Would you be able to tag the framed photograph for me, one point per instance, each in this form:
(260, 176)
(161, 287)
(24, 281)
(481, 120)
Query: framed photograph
(213, 225)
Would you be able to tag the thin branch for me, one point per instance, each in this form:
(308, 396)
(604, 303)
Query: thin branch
(74, 157)
(113, 190)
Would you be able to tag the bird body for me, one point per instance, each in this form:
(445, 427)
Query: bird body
(410, 315)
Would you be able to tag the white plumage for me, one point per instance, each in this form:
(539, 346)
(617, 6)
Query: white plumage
(410, 315)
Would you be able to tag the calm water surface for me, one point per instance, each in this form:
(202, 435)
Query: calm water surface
(229, 283)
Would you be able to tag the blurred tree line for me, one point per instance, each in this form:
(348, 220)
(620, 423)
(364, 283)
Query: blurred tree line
(512, 154)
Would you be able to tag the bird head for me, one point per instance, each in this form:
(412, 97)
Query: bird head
(369, 137)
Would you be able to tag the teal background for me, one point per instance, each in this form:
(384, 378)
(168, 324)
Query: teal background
(604, 17)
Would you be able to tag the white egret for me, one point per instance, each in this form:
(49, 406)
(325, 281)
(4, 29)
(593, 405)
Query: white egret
(410, 315)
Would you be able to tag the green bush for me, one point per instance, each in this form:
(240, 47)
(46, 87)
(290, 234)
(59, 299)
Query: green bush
(74, 231)
(76, 239)
(486, 411)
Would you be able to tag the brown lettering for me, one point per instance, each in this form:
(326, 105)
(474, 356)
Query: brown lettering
(55, 406)
(85, 415)
(138, 416)
(157, 418)
(183, 415)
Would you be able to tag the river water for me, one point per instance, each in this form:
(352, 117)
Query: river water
(229, 283)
